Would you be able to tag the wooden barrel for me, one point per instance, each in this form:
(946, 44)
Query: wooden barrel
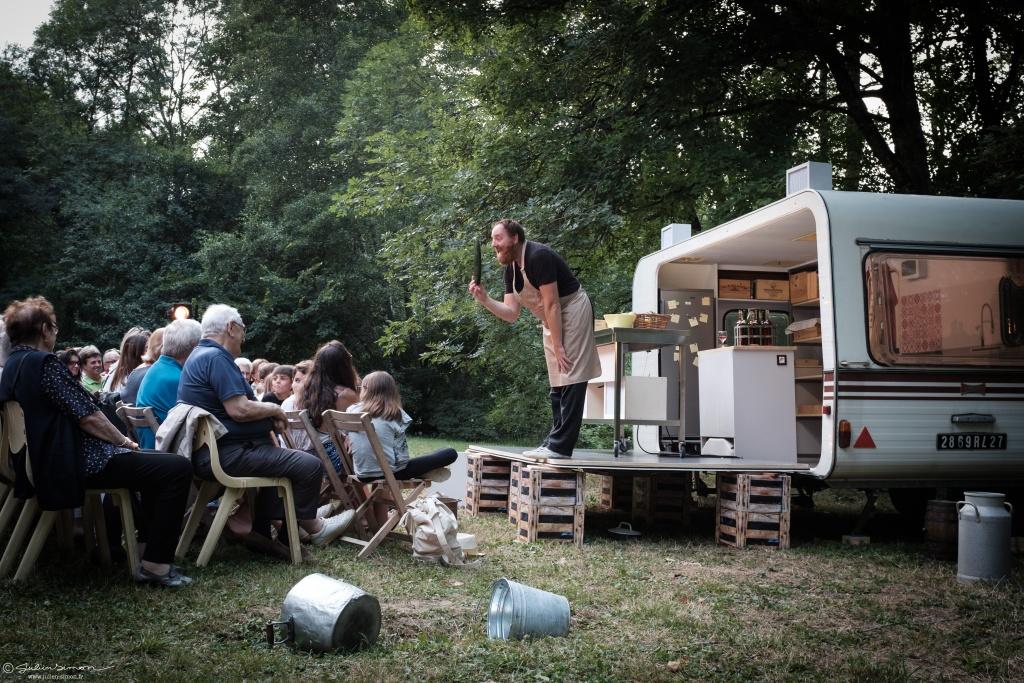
(940, 529)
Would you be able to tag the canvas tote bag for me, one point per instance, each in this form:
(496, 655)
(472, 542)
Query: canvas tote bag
(435, 536)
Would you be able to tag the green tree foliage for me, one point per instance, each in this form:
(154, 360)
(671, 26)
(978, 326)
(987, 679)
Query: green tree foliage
(301, 273)
(328, 166)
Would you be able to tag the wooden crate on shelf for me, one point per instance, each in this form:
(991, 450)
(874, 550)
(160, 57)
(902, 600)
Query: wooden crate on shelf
(662, 499)
(487, 483)
(616, 493)
(551, 505)
(753, 509)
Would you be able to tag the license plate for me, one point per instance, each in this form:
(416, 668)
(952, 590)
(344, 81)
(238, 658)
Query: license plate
(968, 441)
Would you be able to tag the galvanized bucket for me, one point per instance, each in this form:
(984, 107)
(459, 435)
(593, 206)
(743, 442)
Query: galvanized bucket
(324, 615)
(983, 546)
(517, 610)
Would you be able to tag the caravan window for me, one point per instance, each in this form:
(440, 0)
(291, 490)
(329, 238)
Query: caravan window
(945, 309)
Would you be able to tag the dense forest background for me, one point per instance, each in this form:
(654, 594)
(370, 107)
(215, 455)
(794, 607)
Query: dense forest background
(326, 166)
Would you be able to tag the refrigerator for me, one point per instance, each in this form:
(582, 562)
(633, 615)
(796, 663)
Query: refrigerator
(692, 310)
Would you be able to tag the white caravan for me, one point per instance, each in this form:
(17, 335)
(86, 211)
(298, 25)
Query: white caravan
(921, 346)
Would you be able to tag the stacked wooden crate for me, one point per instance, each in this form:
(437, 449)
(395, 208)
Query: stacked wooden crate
(662, 499)
(616, 493)
(487, 483)
(515, 477)
(753, 509)
(551, 504)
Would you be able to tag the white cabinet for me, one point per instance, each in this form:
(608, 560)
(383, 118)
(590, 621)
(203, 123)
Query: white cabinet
(748, 403)
(643, 398)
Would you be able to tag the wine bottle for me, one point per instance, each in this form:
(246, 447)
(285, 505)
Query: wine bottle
(739, 330)
(753, 328)
(767, 329)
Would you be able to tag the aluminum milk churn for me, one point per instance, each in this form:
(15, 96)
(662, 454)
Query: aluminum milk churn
(983, 545)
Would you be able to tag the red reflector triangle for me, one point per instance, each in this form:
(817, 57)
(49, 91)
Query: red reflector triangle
(864, 440)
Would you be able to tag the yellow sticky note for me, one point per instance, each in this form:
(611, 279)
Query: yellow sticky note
(693, 348)
(705, 301)
(673, 304)
(674, 317)
(675, 356)
(703, 317)
(693, 322)
(695, 359)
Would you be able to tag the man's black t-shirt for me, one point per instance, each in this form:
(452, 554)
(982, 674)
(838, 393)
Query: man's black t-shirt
(543, 266)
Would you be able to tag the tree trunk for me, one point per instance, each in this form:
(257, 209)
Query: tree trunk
(890, 32)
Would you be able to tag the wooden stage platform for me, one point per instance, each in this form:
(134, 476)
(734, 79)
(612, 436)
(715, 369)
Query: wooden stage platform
(605, 462)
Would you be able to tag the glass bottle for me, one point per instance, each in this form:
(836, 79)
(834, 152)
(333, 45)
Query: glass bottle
(767, 329)
(753, 328)
(739, 330)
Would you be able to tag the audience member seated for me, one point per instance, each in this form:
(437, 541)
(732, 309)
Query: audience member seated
(255, 373)
(159, 389)
(5, 346)
(263, 379)
(72, 446)
(280, 384)
(72, 361)
(299, 437)
(333, 384)
(211, 380)
(133, 346)
(92, 368)
(110, 358)
(245, 366)
(153, 350)
(380, 398)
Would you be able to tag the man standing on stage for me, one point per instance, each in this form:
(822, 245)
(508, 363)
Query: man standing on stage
(538, 278)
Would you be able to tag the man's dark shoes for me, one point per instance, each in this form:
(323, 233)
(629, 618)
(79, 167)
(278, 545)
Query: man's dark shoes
(172, 579)
(259, 543)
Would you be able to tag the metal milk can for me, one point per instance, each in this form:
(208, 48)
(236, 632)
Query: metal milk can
(983, 546)
(325, 615)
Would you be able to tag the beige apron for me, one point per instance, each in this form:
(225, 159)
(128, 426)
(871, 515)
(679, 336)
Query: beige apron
(577, 331)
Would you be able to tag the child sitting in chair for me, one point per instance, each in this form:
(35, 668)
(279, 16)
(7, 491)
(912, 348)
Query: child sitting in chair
(379, 397)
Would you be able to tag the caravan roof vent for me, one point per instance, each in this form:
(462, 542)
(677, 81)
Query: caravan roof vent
(674, 233)
(814, 175)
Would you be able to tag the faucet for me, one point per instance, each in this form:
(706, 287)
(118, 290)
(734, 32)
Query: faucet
(991, 322)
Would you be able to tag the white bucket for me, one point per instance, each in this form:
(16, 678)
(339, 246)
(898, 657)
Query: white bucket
(518, 610)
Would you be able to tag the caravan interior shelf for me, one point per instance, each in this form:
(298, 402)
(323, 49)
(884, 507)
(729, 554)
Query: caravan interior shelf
(808, 302)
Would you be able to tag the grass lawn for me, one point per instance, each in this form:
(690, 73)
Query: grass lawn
(671, 606)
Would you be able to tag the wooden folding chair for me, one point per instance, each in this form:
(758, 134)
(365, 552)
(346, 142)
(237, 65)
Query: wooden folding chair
(11, 505)
(342, 489)
(234, 488)
(384, 490)
(135, 417)
(14, 419)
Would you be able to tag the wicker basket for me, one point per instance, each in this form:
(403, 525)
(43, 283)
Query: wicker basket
(651, 321)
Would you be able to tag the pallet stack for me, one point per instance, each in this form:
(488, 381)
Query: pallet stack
(513, 490)
(616, 493)
(662, 499)
(551, 504)
(487, 483)
(753, 509)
